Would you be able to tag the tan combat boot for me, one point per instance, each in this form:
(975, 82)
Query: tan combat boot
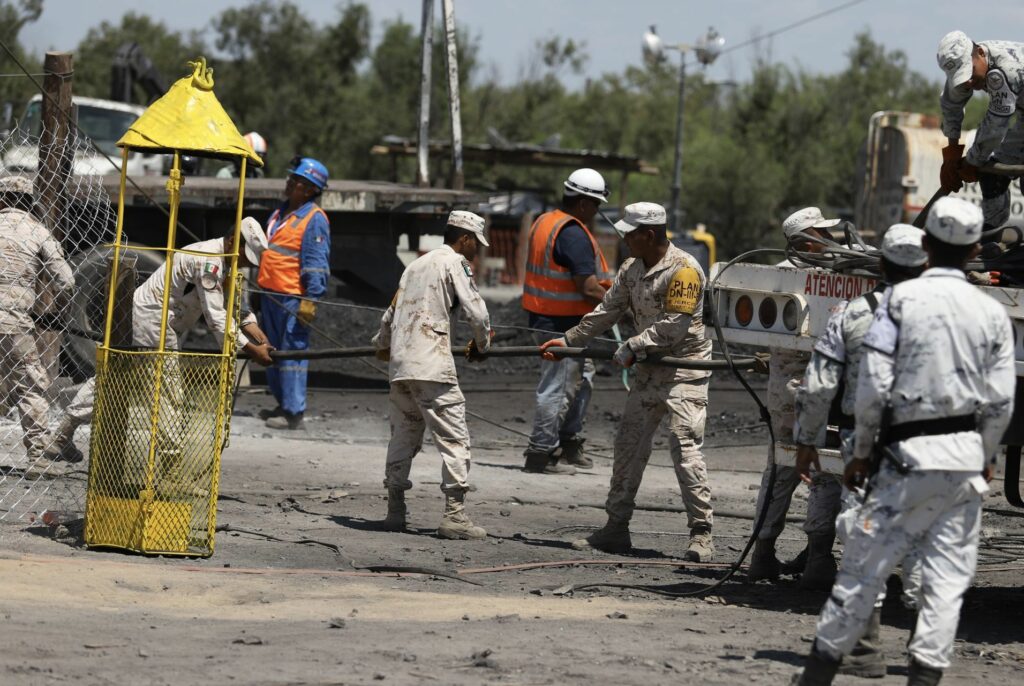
(59, 444)
(613, 537)
(572, 453)
(455, 524)
(701, 547)
(395, 521)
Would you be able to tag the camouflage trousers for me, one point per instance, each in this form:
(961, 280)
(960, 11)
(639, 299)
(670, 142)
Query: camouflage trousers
(651, 397)
(19, 358)
(995, 189)
(936, 514)
(786, 371)
(414, 407)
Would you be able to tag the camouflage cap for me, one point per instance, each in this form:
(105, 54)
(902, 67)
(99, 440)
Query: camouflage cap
(470, 221)
(807, 218)
(16, 184)
(954, 56)
(955, 221)
(902, 245)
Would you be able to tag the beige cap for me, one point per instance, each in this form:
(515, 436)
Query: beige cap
(16, 184)
(955, 221)
(807, 218)
(640, 214)
(954, 56)
(470, 221)
(255, 240)
(902, 245)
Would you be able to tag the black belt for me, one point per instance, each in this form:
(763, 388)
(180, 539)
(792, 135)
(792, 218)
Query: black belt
(931, 427)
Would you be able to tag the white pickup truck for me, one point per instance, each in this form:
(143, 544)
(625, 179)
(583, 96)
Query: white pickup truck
(103, 121)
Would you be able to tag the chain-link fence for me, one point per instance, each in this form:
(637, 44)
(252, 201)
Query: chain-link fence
(55, 219)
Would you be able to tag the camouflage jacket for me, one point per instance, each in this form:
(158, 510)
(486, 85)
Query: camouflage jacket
(1004, 84)
(417, 326)
(666, 305)
(835, 362)
(31, 258)
(937, 348)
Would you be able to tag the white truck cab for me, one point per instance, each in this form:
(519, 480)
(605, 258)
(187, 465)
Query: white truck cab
(103, 121)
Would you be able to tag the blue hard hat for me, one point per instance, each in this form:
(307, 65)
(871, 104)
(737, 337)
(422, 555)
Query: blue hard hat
(311, 170)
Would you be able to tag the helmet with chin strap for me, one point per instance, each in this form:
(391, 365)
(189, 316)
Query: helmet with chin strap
(587, 182)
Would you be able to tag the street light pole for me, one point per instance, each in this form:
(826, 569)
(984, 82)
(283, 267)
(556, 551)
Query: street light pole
(675, 218)
(707, 50)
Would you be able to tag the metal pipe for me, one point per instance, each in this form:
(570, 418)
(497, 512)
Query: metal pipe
(454, 104)
(426, 60)
(521, 351)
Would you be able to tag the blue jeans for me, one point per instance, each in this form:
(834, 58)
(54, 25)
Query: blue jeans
(287, 378)
(563, 396)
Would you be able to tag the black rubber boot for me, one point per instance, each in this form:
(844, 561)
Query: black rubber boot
(819, 670)
(572, 453)
(922, 675)
(265, 414)
(866, 660)
(796, 565)
(763, 563)
(540, 462)
(820, 572)
(287, 421)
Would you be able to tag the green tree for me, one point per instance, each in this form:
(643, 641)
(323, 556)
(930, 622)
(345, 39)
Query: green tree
(168, 50)
(16, 90)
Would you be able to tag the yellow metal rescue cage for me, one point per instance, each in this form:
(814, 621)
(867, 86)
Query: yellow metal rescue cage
(162, 416)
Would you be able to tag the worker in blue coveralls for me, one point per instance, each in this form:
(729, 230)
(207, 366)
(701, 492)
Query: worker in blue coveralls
(293, 275)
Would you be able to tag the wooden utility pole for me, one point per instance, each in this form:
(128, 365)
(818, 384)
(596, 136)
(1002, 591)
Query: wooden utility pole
(56, 143)
(423, 141)
(56, 157)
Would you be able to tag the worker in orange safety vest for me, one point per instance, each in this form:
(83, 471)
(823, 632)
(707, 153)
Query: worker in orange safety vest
(566, 277)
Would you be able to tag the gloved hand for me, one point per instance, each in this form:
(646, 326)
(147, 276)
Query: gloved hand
(307, 312)
(968, 172)
(384, 354)
(624, 356)
(473, 353)
(761, 361)
(949, 178)
(553, 343)
(806, 458)
(260, 352)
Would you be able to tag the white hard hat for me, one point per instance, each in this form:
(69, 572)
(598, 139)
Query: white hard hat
(902, 245)
(640, 214)
(470, 221)
(954, 56)
(807, 218)
(955, 221)
(587, 182)
(255, 240)
(256, 142)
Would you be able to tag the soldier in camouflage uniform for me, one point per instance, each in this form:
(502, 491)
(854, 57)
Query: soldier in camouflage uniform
(996, 67)
(939, 357)
(834, 366)
(415, 337)
(662, 289)
(785, 372)
(31, 258)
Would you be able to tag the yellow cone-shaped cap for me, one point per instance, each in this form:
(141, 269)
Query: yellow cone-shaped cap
(189, 118)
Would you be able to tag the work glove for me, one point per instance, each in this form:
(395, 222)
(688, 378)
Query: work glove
(968, 172)
(624, 356)
(473, 353)
(384, 354)
(553, 343)
(761, 361)
(949, 177)
(307, 312)
(260, 352)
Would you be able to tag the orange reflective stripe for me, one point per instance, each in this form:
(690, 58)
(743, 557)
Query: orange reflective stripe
(548, 287)
(279, 264)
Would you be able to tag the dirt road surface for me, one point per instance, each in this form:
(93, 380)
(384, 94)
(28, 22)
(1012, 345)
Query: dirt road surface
(305, 610)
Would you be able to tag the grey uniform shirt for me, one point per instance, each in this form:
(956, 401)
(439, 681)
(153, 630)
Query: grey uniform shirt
(834, 362)
(197, 289)
(938, 347)
(417, 326)
(1005, 86)
(29, 257)
(666, 304)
